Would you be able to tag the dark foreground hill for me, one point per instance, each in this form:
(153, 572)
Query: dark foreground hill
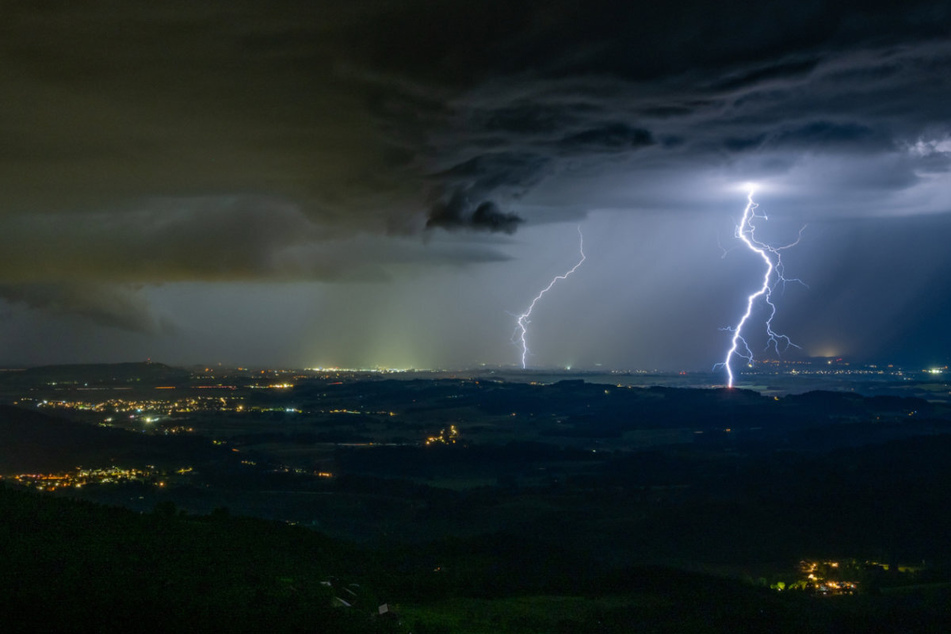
(35, 442)
(78, 567)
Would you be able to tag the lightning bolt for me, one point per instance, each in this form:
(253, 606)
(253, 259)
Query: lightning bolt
(521, 329)
(772, 258)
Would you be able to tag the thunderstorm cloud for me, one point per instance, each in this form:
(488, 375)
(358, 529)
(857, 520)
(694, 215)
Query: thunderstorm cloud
(144, 145)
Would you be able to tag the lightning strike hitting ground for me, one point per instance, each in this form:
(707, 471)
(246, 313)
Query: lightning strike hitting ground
(746, 231)
(523, 320)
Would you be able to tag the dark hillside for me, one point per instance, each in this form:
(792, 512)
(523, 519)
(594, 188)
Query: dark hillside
(34, 442)
(80, 567)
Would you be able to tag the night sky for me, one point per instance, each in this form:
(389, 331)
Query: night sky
(388, 183)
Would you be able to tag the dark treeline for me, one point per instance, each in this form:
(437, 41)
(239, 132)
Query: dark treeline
(80, 567)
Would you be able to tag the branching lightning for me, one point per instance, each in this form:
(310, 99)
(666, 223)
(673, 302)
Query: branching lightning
(772, 258)
(523, 320)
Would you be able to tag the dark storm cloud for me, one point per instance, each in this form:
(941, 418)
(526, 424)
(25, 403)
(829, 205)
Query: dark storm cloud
(349, 110)
(611, 137)
(112, 306)
(464, 204)
(94, 264)
(147, 143)
(194, 239)
(457, 214)
(825, 135)
(209, 240)
(527, 119)
(491, 171)
(749, 77)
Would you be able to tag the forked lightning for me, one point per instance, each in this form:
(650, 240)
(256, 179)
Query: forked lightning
(523, 321)
(773, 275)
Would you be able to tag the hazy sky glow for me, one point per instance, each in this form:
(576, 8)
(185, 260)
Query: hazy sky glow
(388, 183)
